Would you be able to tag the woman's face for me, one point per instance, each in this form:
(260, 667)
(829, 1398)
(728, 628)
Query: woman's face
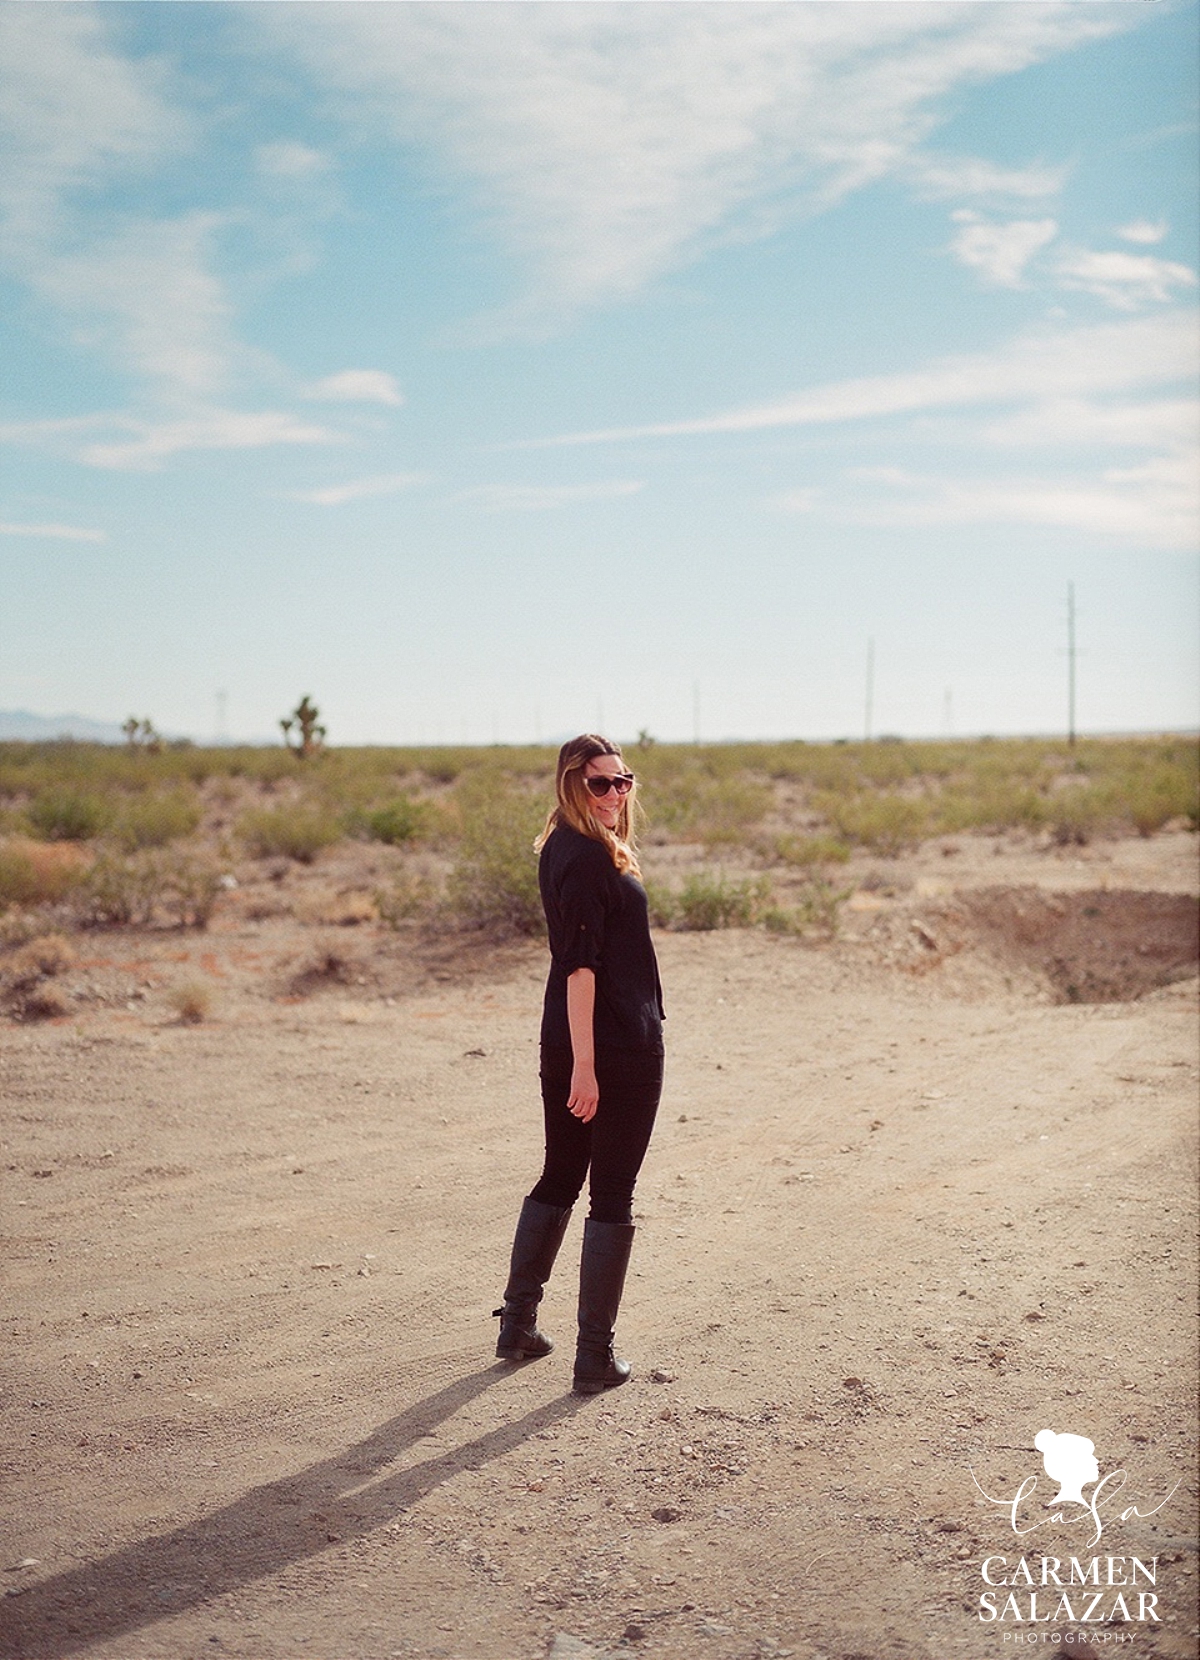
(606, 809)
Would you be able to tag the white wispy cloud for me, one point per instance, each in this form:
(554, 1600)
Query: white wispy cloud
(80, 117)
(1124, 281)
(148, 298)
(55, 430)
(1033, 368)
(58, 532)
(951, 177)
(609, 144)
(1094, 387)
(1144, 231)
(290, 159)
(998, 252)
(1147, 423)
(1155, 504)
(75, 112)
(536, 498)
(84, 122)
(215, 429)
(357, 386)
(337, 495)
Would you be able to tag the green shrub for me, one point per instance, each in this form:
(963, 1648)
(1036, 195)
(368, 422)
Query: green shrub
(999, 805)
(294, 832)
(494, 881)
(818, 906)
(135, 890)
(1165, 793)
(662, 904)
(395, 821)
(807, 851)
(406, 898)
(1076, 814)
(714, 810)
(705, 902)
(118, 892)
(193, 887)
(155, 820)
(885, 823)
(777, 919)
(67, 815)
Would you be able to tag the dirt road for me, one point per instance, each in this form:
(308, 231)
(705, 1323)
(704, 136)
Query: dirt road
(903, 1211)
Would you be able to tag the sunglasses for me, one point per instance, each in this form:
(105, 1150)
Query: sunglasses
(622, 783)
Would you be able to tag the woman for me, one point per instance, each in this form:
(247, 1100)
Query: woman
(601, 1059)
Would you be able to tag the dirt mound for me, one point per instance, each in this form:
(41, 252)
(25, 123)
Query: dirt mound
(1094, 947)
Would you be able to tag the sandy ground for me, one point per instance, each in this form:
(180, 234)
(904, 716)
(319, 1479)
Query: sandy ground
(903, 1211)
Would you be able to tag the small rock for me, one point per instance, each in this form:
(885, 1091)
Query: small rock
(634, 1633)
(666, 1513)
(565, 1647)
(659, 1376)
(474, 1054)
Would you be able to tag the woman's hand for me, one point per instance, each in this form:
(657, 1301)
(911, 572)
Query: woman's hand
(585, 1093)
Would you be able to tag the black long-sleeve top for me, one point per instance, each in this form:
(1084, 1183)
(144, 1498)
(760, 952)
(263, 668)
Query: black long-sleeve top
(598, 918)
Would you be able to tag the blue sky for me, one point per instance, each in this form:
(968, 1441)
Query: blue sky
(491, 371)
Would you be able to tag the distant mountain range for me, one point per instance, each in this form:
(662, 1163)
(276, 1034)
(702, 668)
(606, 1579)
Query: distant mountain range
(21, 724)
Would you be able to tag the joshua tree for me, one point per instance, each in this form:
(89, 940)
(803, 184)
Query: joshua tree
(310, 734)
(140, 734)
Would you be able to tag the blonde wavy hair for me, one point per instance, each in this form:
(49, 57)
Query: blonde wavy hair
(572, 807)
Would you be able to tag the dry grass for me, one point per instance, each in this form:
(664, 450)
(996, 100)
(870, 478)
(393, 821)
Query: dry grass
(329, 966)
(192, 1001)
(39, 873)
(42, 1003)
(25, 971)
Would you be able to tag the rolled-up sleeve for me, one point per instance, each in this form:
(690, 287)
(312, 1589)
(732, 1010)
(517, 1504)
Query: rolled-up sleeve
(576, 920)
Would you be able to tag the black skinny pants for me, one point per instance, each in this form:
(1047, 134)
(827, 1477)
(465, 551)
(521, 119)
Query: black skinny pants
(612, 1146)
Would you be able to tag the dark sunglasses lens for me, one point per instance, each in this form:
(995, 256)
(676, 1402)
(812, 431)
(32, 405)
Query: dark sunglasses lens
(601, 786)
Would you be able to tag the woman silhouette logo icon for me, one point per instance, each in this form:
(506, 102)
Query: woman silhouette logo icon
(1070, 1460)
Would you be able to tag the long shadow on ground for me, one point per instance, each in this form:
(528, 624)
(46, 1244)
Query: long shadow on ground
(261, 1533)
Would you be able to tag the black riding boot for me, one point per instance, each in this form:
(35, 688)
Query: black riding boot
(606, 1248)
(540, 1230)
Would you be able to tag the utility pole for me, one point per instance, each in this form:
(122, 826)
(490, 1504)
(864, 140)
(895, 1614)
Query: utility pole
(1070, 665)
(870, 686)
